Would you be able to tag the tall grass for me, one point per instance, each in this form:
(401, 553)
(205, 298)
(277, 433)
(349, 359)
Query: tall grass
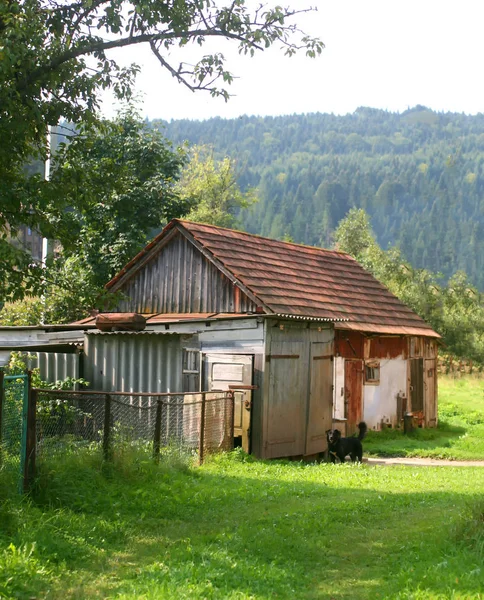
(239, 528)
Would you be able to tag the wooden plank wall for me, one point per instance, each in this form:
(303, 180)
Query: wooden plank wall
(179, 279)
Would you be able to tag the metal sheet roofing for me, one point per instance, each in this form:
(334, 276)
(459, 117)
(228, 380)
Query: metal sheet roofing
(295, 280)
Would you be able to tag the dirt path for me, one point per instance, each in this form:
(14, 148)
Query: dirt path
(423, 462)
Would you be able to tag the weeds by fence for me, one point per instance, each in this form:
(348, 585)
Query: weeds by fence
(187, 423)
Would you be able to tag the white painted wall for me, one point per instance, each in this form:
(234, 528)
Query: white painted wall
(339, 388)
(380, 401)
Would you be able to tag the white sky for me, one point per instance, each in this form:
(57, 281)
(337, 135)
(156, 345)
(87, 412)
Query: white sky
(389, 54)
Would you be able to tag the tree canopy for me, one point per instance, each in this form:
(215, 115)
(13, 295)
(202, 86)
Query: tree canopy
(211, 188)
(55, 61)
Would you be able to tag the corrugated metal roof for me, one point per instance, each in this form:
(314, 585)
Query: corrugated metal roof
(131, 333)
(294, 280)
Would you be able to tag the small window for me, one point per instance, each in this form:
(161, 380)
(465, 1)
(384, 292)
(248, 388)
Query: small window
(372, 372)
(191, 361)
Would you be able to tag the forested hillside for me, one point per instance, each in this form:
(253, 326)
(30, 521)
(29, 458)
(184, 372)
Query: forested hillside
(419, 175)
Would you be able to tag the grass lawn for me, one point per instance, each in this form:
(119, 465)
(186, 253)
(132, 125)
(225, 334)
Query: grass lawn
(459, 436)
(237, 528)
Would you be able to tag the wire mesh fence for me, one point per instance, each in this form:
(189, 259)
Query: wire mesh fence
(199, 423)
(13, 407)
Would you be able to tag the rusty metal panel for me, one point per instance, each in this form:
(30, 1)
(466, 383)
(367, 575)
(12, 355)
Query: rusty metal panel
(320, 406)
(353, 394)
(134, 362)
(387, 347)
(385, 329)
(179, 279)
(349, 344)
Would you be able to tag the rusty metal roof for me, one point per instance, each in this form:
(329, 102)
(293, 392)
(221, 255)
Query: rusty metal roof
(172, 318)
(296, 280)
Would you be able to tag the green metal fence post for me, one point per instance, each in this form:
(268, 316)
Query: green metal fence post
(2, 396)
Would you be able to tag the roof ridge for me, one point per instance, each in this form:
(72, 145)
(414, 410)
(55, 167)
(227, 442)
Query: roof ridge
(262, 237)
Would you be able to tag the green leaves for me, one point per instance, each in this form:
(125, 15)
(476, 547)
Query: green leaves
(54, 63)
(210, 187)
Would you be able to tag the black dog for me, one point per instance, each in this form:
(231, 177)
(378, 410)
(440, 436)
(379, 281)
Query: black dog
(342, 446)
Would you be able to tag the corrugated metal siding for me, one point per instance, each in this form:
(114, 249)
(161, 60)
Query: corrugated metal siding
(179, 279)
(57, 366)
(128, 362)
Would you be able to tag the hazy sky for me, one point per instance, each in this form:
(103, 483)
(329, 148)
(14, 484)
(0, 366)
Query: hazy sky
(385, 54)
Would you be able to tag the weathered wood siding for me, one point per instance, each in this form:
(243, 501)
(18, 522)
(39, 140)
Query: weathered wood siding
(297, 389)
(179, 279)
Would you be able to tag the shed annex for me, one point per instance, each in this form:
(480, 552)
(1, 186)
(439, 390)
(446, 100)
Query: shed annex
(306, 335)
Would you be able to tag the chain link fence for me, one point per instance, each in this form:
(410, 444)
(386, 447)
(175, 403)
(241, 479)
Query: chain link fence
(13, 407)
(199, 423)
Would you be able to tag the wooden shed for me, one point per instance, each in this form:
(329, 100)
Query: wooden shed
(300, 332)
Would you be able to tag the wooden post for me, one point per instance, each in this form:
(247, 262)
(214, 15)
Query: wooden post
(107, 428)
(232, 424)
(2, 396)
(202, 430)
(31, 438)
(156, 440)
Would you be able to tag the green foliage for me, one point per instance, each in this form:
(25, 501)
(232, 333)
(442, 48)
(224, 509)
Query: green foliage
(54, 64)
(28, 311)
(25, 572)
(210, 187)
(50, 410)
(119, 181)
(354, 235)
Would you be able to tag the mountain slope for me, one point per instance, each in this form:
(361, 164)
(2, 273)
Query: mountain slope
(420, 176)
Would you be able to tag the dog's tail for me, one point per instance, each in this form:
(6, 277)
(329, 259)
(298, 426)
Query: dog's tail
(363, 429)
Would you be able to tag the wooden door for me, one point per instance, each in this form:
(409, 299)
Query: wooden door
(430, 392)
(224, 370)
(353, 394)
(287, 399)
(320, 408)
(416, 384)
